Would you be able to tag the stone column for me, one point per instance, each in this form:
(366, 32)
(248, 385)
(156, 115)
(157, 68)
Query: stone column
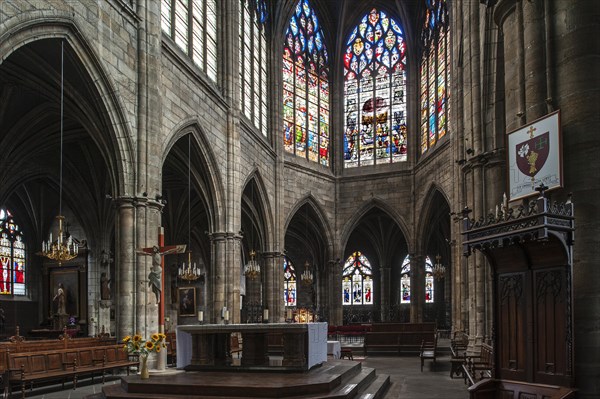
(217, 278)
(385, 275)
(417, 283)
(225, 276)
(273, 279)
(125, 266)
(534, 59)
(336, 311)
(142, 267)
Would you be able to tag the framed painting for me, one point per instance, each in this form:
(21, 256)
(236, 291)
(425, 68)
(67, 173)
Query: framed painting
(534, 153)
(186, 298)
(69, 280)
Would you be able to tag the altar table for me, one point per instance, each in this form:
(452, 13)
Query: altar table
(334, 348)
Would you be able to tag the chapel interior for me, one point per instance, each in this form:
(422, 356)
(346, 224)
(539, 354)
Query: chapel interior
(355, 162)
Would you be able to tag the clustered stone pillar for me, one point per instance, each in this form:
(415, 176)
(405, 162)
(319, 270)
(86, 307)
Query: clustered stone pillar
(273, 279)
(385, 292)
(125, 266)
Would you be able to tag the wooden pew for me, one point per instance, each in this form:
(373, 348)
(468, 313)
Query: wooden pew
(65, 364)
(506, 389)
(398, 337)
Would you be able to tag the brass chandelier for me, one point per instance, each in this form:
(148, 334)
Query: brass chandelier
(439, 270)
(64, 248)
(190, 272)
(252, 268)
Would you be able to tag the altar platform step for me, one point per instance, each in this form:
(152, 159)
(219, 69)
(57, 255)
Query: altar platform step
(334, 379)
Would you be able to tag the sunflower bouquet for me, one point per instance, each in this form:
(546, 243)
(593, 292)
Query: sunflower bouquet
(136, 345)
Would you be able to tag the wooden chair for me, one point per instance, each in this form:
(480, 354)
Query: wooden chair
(428, 351)
(171, 341)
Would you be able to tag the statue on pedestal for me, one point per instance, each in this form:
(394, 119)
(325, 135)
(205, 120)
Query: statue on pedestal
(104, 288)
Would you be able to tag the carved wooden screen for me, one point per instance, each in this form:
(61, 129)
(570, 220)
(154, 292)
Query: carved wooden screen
(532, 299)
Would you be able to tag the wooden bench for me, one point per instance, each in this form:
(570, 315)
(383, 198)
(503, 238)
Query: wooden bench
(428, 351)
(476, 368)
(65, 364)
(506, 389)
(458, 348)
(398, 342)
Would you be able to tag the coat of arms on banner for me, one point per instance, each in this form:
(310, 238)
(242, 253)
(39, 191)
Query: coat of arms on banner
(534, 156)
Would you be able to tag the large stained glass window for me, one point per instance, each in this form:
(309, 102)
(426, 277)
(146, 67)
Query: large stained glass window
(192, 24)
(435, 74)
(12, 256)
(306, 87)
(289, 283)
(375, 92)
(429, 284)
(357, 281)
(405, 281)
(253, 62)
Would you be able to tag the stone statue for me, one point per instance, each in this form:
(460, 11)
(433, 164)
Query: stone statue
(104, 288)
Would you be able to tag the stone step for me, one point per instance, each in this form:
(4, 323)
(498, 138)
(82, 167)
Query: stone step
(334, 380)
(376, 389)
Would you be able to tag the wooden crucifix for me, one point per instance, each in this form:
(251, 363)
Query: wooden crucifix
(155, 277)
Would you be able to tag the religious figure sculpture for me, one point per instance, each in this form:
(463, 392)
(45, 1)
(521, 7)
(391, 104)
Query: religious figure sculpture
(155, 275)
(104, 288)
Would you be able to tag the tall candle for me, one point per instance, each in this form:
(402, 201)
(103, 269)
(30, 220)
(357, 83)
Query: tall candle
(200, 316)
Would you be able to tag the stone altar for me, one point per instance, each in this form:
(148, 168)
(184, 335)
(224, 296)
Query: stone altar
(201, 347)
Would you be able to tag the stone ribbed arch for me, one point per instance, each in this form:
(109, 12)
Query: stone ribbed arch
(424, 215)
(216, 198)
(255, 177)
(362, 210)
(115, 143)
(324, 224)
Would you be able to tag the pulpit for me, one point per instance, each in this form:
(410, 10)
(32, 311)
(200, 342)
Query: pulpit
(207, 347)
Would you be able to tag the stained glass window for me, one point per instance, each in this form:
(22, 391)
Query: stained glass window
(375, 92)
(357, 281)
(405, 281)
(429, 284)
(289, 283)
(306, 87)
(435, 74)
(192, 24)
(12, 256)
(253, 62)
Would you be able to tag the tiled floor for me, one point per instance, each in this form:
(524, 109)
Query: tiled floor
(405, 375)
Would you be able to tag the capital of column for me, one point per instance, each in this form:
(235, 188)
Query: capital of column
(224, 235)
(127, 201)
(271, 254)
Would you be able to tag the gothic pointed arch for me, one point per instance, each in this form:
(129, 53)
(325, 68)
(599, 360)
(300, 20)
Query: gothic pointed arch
(207, 168)
(100, 108)
(317, 210)
(374, 203)
(259, 196)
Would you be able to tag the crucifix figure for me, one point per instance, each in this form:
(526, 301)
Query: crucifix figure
(155, 275)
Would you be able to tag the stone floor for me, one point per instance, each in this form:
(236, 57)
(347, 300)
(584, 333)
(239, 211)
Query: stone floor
(406, 378)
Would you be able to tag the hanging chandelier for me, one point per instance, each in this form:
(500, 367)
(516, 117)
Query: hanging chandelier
(191, 272)
(64, 248)
(307, 276)
(438, 269)
(252, 268)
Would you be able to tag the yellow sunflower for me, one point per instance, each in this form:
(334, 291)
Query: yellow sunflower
(137, 338)
(162, 336)
(157, 348)
(149, 345)
(155, 337)
(127, 339)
